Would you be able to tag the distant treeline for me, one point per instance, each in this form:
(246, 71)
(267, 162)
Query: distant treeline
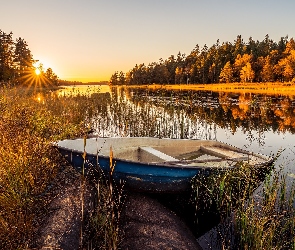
(17, 63)
(252, 61)
(66, 83)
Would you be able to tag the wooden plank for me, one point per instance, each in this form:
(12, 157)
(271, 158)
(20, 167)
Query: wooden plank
(158, 154)
(223, 152)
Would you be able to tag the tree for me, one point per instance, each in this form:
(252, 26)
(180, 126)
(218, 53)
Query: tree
(178, 75)
(114, 79)
(247, 74)
(121, 79)
(240, 62)
(226, 74)
(6, 56)
(290, 45)
(238, 46)
(23, 60)
(267, 70)
(285, 68)
(51, 77)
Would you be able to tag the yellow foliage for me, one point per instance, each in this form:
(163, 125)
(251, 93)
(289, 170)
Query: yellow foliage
(246, 73)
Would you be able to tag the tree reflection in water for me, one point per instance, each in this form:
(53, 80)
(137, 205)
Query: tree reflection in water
(259, 123)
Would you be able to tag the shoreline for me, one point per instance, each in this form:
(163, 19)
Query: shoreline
(255, 88)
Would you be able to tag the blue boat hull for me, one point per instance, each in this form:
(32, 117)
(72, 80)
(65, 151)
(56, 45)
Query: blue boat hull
(135, 176)
(152, 164)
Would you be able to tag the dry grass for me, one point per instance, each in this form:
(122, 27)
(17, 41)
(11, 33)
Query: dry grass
(261, 221)
(268, 88)
(30, 121)
(28, 162)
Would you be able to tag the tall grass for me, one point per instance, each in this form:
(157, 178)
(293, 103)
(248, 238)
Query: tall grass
(104, 223)
(267, 222)
(31, 120)
(251, 217)
(29, 123)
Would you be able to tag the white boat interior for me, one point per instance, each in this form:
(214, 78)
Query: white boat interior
(181, 152)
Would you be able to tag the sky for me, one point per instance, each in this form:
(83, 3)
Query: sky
(88, 40)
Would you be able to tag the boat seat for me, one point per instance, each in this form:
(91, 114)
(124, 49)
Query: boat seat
(224, 153)
(158, 154)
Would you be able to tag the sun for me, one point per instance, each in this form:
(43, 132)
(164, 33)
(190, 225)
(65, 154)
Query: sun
(37, 71)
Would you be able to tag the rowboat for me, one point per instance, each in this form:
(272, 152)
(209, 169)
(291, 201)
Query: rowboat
(153, 164)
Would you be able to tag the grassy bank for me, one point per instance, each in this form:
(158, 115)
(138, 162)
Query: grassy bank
(30, 121)
(268, 88)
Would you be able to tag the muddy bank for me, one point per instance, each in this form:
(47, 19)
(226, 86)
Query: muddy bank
(147, 224)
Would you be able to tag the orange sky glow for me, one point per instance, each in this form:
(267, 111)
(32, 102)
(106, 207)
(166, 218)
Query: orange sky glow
(90, 40)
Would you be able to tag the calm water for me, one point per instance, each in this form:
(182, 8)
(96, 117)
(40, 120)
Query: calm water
(82, 90)
(259, 123)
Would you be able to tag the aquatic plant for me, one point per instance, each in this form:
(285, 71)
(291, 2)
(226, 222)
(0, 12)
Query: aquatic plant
(255, 209)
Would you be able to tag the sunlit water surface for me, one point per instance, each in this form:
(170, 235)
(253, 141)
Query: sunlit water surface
(259, 123)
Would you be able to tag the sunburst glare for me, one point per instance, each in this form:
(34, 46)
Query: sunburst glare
(35, 77)
(37, 71)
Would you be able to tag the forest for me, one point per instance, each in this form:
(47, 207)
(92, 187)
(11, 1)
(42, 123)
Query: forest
(238, 61)
(17, 65)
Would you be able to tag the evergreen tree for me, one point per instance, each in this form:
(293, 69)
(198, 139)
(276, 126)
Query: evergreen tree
(114, 79)
(121, 78)
(23, 60)
(6, 57)
(51, 77)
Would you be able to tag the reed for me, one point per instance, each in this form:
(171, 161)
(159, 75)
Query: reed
(253, 214)
(104, 222)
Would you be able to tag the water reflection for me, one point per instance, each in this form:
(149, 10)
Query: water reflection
(82, 90)
(260, 123)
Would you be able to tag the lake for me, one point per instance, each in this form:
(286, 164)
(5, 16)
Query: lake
(262, 123)
(256, 122)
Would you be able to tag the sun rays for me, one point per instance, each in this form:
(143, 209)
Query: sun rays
(37, 71)
(34, 78)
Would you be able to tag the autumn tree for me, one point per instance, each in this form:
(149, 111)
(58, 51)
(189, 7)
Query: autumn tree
(247, 74)
(240, 62)
(267, 74)
(226, 74)
(226, 62)
(285, 68)
(178, 75)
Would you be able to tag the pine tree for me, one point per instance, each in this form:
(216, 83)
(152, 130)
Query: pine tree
(114, 79)
(6, 57)
(23, 60)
